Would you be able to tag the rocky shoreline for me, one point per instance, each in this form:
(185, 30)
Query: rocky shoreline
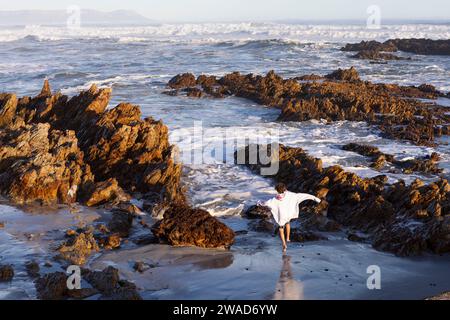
(341, 95)
(403, 219)
(56, 150)
(399, 218)
(61, 150)
(375, 50)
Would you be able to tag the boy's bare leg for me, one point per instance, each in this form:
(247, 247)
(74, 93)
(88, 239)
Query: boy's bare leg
(288, 232)
(283, 241)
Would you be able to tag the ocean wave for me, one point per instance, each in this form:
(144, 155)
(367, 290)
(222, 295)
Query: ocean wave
(222, 32)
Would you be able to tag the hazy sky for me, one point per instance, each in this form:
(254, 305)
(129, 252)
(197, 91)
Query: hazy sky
(215, 10)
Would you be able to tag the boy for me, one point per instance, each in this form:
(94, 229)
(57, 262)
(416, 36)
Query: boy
(284, 207)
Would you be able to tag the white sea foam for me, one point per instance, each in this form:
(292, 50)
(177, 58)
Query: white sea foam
(218, 32)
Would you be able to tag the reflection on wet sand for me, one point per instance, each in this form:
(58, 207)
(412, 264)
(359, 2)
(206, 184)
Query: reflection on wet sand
(288, 288)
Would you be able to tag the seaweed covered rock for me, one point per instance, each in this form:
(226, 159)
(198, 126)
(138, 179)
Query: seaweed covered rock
(185, 226)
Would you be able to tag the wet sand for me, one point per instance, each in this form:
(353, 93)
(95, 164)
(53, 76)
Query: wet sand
(256, 269)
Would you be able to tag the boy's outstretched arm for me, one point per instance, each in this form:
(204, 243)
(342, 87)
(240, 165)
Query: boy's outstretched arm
(305, 196)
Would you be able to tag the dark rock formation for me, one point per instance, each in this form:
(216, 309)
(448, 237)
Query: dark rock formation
(184, 80)
(40, 164)
(417, 46)
(370, 45)
(184, 226)
(344, 75)
(377, 55)
(8, 106)
(108, 282)
(257, 212)
(427, 164)
(63, 150)
(107, 191)
(6, 273)
(403, 219)
(78, 247)
(394, 109)
(53, 286)
(298, 235)
(120, 223)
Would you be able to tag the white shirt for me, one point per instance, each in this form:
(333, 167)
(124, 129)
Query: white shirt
(286, 209)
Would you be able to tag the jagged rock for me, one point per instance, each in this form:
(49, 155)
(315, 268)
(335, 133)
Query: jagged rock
(8, 106)
(194, 92)
(52, 143)
(257, 212)
(427, 164)
(406, 220)
(309, 77)
(120, 223)
(422, 46)
(184, 80)
(263, 225)
(136, 152)
(371, 46)
(52, 286)
(377, 55)
(106, 192)
(78, 248)
(344, 75)
(298, 235)
(417, 46)
(110, 241)
(40, 164)
(108, 282)
(130, 208)
(46, 91)
(126, 291)
(184, 226)
(6, 273)
(395, 109)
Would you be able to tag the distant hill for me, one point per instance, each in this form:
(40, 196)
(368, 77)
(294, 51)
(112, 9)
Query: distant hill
(59, 17)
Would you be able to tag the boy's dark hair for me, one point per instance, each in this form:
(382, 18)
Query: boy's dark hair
(281, 187)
